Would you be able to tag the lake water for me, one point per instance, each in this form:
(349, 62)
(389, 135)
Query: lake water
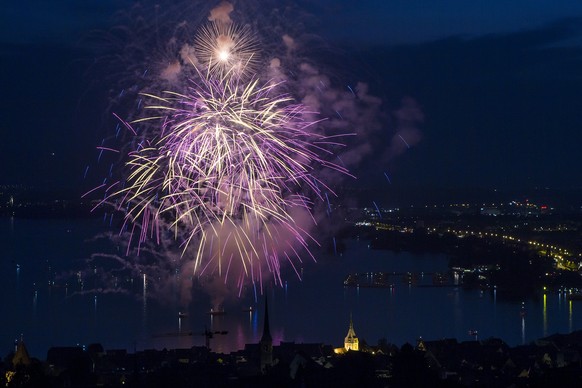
(316, 309)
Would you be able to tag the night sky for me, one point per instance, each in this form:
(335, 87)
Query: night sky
(474, 94)
(499, 85)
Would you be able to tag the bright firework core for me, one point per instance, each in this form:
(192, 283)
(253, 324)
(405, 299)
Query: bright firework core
(223, 55)
(226, 50)
(227, 167)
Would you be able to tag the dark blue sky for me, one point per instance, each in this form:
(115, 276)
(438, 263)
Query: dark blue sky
(404, 21)
(499, 83)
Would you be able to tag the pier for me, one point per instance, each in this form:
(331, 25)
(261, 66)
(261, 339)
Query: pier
(390, 279)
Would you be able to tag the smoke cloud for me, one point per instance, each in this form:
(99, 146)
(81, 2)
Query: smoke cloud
(244, 251)
(221, 13)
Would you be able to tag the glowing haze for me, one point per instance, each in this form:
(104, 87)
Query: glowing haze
(231, 151)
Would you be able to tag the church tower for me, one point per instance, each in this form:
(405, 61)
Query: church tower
(351, 341)
(266, 343)
(21, 356)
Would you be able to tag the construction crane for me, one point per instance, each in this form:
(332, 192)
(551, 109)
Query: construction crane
(208, 334)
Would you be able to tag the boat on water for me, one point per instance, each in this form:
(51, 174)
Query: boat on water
(248, 310)
(182, 315)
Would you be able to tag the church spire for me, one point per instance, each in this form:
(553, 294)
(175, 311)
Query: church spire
(21, 356)
(266, 329)
(266, 343)
(351, 342)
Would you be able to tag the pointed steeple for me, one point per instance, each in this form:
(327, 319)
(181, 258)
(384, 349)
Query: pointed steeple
(21, 356)
(266, 330)
(351, 342)
(266, 343)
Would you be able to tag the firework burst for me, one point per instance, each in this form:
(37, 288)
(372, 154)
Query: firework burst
(226, 49)
(230, 169)
(226, 161)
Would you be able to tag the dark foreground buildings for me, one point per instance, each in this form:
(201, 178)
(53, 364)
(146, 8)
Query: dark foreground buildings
(554, 361)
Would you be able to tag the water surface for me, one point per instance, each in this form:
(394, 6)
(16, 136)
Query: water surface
(315, 309)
